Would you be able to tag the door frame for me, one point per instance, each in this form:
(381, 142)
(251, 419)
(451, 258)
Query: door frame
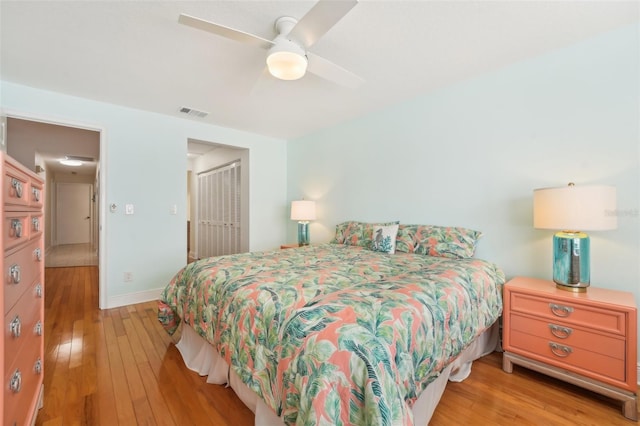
(102, 190)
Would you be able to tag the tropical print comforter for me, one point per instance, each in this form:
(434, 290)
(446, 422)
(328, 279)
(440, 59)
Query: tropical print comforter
(334, 334)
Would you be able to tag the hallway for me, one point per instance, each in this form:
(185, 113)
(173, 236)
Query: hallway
(66, 255)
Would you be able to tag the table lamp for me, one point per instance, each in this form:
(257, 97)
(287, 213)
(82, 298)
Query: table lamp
(571, 210)
(303, 211)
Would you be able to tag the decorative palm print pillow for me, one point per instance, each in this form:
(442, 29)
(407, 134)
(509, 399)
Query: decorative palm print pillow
(430, 240)
(353, 233)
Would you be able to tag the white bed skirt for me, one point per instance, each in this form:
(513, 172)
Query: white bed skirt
(199, 356)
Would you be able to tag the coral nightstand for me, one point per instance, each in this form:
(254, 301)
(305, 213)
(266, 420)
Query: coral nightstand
(288, 246)
(587, 339)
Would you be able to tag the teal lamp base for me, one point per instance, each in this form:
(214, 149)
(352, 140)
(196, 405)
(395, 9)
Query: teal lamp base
(571, 261)
(303, 233)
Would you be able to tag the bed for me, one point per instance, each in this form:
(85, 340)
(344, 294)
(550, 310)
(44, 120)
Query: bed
(366, 329)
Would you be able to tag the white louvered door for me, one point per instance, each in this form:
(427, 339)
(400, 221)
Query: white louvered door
(219, 211)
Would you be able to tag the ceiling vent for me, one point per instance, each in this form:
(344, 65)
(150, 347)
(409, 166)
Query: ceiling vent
(193, 112)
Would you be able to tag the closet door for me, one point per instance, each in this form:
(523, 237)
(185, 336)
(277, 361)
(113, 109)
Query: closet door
(219, 211)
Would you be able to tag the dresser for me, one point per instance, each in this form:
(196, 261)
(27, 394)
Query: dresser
(588, 339)
(22, 295)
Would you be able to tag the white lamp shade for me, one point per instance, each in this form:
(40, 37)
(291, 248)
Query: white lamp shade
(303, 210)
(575, 208)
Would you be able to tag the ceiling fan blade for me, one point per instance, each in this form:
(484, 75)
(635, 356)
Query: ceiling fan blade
(322, 16)
(223, 31)
(332, 72)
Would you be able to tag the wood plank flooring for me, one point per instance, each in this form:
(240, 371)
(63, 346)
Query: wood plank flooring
(119, 367)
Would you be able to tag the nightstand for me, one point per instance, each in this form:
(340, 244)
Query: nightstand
(587, 339)
(288, 246)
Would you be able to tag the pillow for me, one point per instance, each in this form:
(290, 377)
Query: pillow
(347, 233)
(430, 240)
(384, 238)
(355, 233)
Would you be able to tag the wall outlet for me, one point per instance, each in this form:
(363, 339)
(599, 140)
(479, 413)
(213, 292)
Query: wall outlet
(128, 276)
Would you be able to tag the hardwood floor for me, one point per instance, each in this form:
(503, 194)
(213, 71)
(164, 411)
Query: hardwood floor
(119, 367)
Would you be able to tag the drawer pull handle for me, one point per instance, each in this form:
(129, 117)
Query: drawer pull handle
(36, 224)
(16, 225)
(38, 254)
(38, 328)
(559, 331)
(15, 327)
(14, 273)
(560, 350)
(560, 310)
(36, 194)
(38, 290)
(17, 185)
(15, 384)
(37, 367)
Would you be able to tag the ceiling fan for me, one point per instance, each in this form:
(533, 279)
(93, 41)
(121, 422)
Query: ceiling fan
(288, 55)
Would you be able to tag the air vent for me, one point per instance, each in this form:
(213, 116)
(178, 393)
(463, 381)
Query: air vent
(193, 112)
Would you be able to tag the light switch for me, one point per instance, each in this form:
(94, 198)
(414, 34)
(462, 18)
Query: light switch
(174, 209)
(128, 209)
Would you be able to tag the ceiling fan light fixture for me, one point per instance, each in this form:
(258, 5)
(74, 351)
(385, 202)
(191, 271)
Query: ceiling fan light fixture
(286, 64)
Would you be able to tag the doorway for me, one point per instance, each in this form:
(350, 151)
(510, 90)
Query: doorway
(39, 144)
(217, 227)
(73, 243)
(219, 210)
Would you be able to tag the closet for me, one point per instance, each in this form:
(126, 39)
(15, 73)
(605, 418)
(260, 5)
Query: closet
(218, 210)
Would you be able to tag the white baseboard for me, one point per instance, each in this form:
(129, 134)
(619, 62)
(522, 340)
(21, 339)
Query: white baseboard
(133, 298)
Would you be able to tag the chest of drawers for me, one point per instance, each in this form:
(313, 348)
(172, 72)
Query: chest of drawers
(588, 339)
(22, 296)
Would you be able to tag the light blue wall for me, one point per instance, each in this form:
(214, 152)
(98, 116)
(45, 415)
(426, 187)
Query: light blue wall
(144, 162)
(471, 154)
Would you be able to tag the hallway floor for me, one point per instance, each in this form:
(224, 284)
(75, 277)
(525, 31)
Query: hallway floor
(71, 255)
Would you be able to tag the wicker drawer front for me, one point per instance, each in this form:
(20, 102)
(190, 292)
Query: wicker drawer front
(569, 312)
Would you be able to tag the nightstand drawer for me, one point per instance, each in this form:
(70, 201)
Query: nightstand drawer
(573, 358)
(565, 334)
(569, 312)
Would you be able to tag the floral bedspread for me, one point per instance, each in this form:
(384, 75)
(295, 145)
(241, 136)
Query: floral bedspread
(333, 334)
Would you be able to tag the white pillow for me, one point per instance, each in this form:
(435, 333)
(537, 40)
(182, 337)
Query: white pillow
(384, 238)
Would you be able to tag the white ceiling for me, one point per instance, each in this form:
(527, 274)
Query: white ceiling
(134, 53)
